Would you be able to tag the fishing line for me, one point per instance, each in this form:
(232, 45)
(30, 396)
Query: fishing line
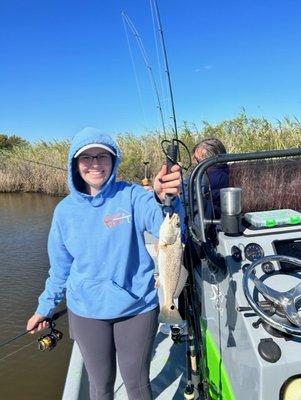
(134, 68)
(42, 163)
(163, 91)
(14, 352)
(138, 38)
(119, 387)
(173, 147)
(45, 164)
(5, 342)
(160, 28)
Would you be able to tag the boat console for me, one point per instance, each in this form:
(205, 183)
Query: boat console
(250, 302)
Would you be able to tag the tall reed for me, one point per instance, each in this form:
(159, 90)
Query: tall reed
(19, 170)
(22, 169)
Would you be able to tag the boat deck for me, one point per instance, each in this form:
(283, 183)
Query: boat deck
(167, 373)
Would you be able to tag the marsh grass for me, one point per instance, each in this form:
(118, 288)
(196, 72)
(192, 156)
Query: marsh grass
(19, 170)
(268, 184)
(22, 169)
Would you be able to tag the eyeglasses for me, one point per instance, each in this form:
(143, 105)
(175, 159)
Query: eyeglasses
(87, 159)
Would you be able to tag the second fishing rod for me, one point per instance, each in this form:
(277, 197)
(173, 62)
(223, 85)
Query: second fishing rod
(197, 360)
(47, 341)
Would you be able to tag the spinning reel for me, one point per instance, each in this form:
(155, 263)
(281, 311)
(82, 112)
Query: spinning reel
(49, 341)
(176, 334)
(287, 302)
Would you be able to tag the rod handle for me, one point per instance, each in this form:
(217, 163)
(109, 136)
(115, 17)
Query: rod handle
(172, 156)
(171, 159)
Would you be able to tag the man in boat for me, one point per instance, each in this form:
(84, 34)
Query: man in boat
(216, 177)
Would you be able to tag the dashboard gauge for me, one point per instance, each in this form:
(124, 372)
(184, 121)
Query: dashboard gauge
(253, 252)
(268, 267)
(236, 253)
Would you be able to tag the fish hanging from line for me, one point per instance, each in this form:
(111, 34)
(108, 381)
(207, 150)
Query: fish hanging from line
(172, 273)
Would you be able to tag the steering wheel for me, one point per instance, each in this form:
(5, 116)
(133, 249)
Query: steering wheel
(286, 301)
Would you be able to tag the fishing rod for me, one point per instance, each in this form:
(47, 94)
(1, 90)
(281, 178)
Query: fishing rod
(160, 28)
(198, 358)
(172, 153)
(172, 157)
(47, 341)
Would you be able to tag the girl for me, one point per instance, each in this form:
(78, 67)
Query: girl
(98, 259)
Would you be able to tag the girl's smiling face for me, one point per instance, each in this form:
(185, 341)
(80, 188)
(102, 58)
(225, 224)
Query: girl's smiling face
(95, 167)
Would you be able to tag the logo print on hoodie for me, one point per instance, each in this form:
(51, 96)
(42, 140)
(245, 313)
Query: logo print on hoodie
(118, 218)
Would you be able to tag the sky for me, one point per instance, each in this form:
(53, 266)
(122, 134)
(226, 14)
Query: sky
(69, 64)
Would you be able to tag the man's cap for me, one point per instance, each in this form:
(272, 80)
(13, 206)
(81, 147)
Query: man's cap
(90, 146)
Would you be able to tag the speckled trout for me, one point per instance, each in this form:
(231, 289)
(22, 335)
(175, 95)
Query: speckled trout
(172, 273)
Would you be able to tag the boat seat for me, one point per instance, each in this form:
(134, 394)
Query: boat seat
(268, 184)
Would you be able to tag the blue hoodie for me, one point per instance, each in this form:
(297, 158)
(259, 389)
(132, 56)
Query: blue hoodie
(96, 245)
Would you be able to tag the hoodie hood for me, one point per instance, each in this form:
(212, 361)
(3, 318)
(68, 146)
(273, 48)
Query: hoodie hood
(83, 138)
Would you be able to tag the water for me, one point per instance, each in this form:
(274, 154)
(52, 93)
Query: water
(28, 374)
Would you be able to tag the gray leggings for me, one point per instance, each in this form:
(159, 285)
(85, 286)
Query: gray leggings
(132, 338)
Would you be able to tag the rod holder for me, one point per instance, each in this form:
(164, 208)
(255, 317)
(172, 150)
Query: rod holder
(231, 215)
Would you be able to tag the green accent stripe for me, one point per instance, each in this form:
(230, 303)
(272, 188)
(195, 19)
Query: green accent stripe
(219, 381)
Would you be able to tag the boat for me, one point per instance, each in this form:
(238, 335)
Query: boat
(248, 277)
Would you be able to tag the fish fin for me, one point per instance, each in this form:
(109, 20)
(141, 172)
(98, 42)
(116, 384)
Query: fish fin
(169, 316)
(181, 282)
(157, 282)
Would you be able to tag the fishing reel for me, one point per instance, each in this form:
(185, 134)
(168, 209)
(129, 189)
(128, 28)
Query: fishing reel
(49, 341)
(177, 334)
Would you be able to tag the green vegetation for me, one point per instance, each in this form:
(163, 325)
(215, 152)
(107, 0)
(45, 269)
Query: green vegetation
(20, 171)
(9, 142)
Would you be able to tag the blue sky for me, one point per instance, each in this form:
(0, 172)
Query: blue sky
(66, 64)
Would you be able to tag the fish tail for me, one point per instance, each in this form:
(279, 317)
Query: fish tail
(169, 314)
